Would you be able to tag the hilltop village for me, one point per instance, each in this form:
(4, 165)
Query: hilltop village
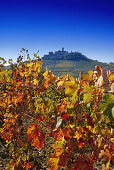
(64, 55)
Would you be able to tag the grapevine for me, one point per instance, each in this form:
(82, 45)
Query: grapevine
(65, 121)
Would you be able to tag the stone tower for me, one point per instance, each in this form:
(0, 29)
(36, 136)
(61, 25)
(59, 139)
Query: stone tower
(63, 49)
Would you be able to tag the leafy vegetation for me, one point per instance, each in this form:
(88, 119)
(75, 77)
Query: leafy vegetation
(50, 122)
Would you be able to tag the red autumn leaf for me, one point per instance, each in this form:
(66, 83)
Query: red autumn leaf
(71, 144)
(81, 142)
(111, 147)
(38, 117)
(39, 142)
(64, 114)
(112, 159)
(64, 158)
(35, 168)
(79, 91)
(82, 163)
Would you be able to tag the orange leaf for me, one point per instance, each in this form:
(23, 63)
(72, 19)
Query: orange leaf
(58, 152)
(36, 138)
(54, 163)
(62, 105)
(30, 128)
(58, 134)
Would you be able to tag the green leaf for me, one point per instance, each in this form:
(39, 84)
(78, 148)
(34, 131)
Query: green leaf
(87, 94)
(88, 89)
(87, 97)
(107, 107)
(35, 55)
(107, 99)
(108, 112)
(10, 61)
(23, 49)
(3, 60)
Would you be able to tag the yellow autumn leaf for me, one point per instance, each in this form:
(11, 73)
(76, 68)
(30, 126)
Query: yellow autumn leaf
(47, 74)
(86, 77)
(25, 157)
(96, 130)
(107, 153)
(71, 126)
(35, 82)
(10, 168)
(74, 97)
(99, 140)
(39, 63)
(60, 80)
(112, 139)
(72, 79)
(1, 130)
(90, 72)
(70, 88)
(111, 77)
(60, 83)
(58, 144)
(29, 64)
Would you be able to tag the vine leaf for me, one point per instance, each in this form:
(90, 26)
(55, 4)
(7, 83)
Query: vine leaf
(35, 136)
(87, 94)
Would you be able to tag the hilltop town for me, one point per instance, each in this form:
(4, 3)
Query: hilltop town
(64, 55)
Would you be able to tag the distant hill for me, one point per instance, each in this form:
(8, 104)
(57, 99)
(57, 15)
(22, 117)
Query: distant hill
(64, 62)
(111, 63)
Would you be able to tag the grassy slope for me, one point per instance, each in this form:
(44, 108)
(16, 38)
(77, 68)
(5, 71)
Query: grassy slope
(60, 67)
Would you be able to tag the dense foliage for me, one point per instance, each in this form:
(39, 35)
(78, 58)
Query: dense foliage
(66, 121)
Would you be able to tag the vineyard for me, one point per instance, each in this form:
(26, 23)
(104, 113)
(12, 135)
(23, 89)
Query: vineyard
(55, 123)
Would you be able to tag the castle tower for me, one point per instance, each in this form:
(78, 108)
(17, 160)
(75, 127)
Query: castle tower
(63, 49)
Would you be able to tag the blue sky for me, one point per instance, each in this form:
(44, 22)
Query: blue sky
(86, 26)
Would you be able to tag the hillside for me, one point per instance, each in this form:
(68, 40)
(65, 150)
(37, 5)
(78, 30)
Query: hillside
(73, 68)
(62, 62)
